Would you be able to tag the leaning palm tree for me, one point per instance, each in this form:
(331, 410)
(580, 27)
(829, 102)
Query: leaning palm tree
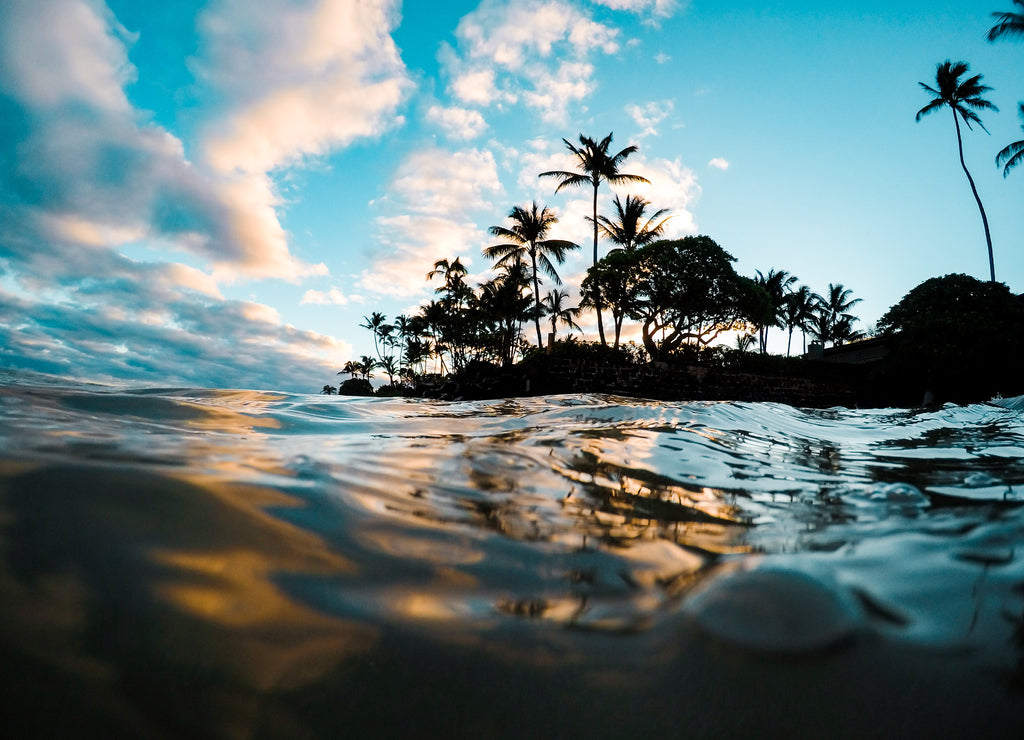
(525, 238)
(594, 165)
(1012, 155)
(629, 230)
(1009, 24)
(963, 98)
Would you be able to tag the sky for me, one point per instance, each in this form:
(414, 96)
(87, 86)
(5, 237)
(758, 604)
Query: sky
(215, 193)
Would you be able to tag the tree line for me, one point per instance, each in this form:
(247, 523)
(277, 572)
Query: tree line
(679, 292)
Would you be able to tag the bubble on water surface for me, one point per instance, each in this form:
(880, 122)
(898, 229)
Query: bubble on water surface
(775, 609)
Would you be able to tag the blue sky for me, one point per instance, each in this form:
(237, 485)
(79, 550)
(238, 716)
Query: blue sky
(213, 193)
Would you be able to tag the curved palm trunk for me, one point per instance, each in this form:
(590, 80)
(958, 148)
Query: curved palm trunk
(597, 303)
(974, 189)
(536, 297)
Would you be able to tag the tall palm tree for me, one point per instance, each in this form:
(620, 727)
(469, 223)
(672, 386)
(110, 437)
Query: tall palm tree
(629, 230)
(525, 238)
(963, 98)
(594, 165)
(1009, 24)
(1012, 155)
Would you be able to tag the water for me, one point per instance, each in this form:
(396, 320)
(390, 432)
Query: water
(243, 564)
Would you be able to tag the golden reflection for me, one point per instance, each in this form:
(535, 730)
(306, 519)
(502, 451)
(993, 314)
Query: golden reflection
(257, 633)
(447, 551)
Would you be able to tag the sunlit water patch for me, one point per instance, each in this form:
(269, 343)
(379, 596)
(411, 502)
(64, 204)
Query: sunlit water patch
(244, 564)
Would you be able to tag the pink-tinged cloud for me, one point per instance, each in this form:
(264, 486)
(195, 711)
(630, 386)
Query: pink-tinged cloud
(300, 78)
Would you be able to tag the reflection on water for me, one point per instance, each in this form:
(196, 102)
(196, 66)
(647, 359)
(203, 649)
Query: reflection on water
(243, 564)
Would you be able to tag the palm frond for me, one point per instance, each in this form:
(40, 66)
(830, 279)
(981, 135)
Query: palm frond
(1010, 156)
(1008, 25)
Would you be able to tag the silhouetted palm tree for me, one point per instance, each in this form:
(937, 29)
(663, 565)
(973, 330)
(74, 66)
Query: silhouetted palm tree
(556, 308)
(832, 320)
(962, 98)
(1012, 155)
(1009, 24)
(367, 365)
(374, 322)
(594, 165)
(776, 284)
(797, 314)
(629, 230)
(526, 239)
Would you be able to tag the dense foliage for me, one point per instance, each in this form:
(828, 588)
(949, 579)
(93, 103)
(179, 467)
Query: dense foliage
(957, 336)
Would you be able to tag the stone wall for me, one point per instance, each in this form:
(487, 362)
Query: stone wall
(841, 387)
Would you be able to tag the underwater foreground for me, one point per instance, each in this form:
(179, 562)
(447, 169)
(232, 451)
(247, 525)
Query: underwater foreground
(238, 564)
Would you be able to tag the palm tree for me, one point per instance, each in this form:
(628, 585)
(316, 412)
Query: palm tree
(1009, 24)
(525, 238)
(595, 165)
(554, 304)
(627, 230)
(453, 272)
(797, 313)
(962, 98)
(367, 365)
(374, 322)
(776, 284)
(351, 367)
(832, 320)
(1012, 155)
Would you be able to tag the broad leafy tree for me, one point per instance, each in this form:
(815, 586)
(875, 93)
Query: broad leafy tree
(687, 292)
(963, 98)
(957, 336)
(612, 284)
(595, 164)
(526, 240)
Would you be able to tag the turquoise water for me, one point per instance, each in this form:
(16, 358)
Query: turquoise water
(212, 563)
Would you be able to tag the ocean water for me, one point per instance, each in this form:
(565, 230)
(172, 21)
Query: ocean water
(240, 564)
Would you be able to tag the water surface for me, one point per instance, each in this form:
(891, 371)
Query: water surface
(244, 564)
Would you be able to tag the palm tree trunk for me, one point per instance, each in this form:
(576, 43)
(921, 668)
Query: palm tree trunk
(597, 304)
(984, 218)
(536, 297)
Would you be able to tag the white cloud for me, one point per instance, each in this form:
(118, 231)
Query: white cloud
(457, 123)
(673, 186)
(662, 58)
(536, 51)
(430, 205)
(650, 115)
(332, 297)
(719, 163)
(91, 173)
(300, 77)
(659, 8)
